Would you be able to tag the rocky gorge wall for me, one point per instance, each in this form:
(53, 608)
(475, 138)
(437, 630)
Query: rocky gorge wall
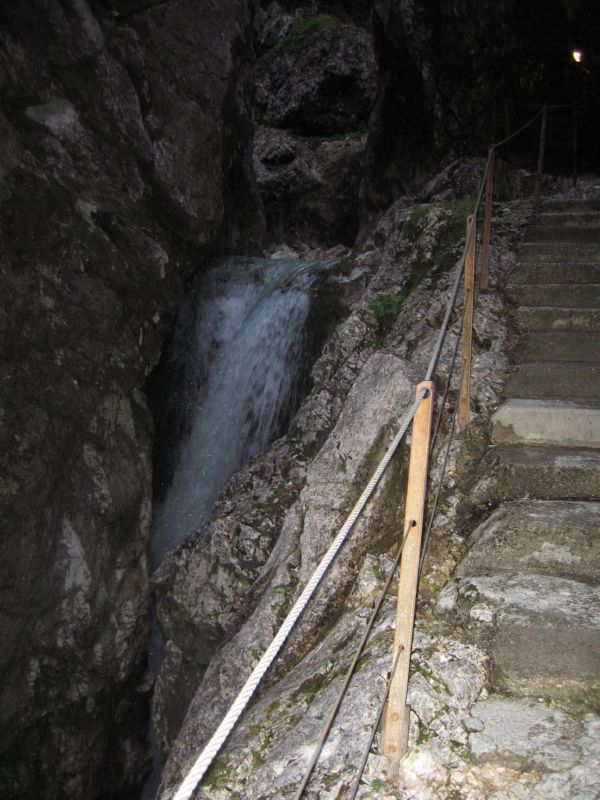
(124, 164)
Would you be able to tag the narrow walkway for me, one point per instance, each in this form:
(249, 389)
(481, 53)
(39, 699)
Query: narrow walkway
(528, 591)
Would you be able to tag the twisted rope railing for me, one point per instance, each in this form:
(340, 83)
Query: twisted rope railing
(210, 750)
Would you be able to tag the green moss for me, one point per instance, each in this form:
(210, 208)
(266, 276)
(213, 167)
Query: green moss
(386, 306)
(257, 653)
(378, 785)
(465, 754)
(273, 709)
(300, 32)
(283, 600)
(218, 775)
(453, 229)
(414, 224)
(308, 690)
(424, 735)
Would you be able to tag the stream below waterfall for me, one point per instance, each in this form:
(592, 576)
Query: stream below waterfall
(239, 342)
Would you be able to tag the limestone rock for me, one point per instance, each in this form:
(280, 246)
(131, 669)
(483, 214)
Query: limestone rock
(115, 182)
(316, 74)
(309, 186)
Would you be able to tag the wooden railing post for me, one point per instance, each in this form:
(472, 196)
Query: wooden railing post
(574, 141)
(487, 222)
(395, 733)
(540, 164)
(464, 396)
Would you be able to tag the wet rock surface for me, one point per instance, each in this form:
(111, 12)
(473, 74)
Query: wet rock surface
(478, 727)
(107, 205)
(398, 268)
(316, 83)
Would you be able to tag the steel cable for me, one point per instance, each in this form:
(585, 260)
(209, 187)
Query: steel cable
(207, 755)
(350, 672)
(217, 740)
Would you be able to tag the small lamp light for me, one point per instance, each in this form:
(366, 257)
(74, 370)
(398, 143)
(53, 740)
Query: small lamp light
(577, 56)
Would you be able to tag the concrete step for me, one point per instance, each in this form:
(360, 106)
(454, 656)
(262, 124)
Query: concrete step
(571, 219)
(547, 422)
(563, 233)
(559, 251)
(557, 318)
(555, 294)
(570, 206)
(537, 628)
(546, 537)
(554, 379)
(530, 274)
(557, 346)
(516, 472)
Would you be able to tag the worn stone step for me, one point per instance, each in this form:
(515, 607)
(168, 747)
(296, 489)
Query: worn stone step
(563, 233)
(555, 294)
(580, 346)
(557, 318)
(531, 274)
(537, 628)
(515, 472)
(570, 206)
(570, 219)
(547, 422)
(559, 379)
(547, 537)
(559, 251)
(526, 734)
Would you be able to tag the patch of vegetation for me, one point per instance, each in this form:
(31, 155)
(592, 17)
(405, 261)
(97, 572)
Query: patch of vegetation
(414, 224)
(257, 653)
(378, 785)
(453, 230)
(273, 709)
(465, 754)
(109, 22)
(283, 600)
(299, 34)
(376, 570)
(424, 735)
(308, 690)
(386, 306)
(218, 775)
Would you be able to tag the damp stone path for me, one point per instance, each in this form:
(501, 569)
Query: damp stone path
(528, 591)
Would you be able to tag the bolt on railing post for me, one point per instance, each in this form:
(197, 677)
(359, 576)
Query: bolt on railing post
(395, 731)
(540, 164)
(464, 396)
(487, 222)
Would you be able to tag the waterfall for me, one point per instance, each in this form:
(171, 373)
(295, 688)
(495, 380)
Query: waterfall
(243, 352)
(241, 378)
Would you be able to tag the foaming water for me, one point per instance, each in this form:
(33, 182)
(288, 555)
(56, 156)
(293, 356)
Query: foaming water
(243, 348)
(242, 376)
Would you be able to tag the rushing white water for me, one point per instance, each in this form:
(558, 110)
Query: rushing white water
(246, 346)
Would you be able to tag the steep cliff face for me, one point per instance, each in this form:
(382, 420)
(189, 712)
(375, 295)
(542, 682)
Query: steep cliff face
(316, 83)
(447, 72)
(124, 163)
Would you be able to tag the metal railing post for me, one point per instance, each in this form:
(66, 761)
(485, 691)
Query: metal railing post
(540, 163)
(395, 732)
(464, 396)
(487, 222)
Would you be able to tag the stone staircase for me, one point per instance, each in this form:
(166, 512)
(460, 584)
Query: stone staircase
(528, 590)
